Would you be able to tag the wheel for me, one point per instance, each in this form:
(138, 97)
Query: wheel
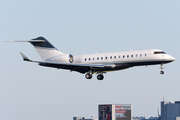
(100, 77)
(88, 76)
(162, 72)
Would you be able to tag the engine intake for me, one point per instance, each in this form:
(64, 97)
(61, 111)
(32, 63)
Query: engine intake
(70, 58)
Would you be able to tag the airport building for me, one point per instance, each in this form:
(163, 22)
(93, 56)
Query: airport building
(115, 111)
(169, 111)
(83, 118)
(112, 112)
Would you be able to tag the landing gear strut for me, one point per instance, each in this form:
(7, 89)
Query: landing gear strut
(161, 67)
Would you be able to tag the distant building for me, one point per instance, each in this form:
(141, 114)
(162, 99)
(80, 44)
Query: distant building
(83, 118)
(170, 111)
(143, 118)
(177, 118)
(115, 111)
(112, 112)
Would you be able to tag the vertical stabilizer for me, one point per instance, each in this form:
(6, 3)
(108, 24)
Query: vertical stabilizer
(45, 49)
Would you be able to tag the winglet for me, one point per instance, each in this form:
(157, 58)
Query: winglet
(24, 57)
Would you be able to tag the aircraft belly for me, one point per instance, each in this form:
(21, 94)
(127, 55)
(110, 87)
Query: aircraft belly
(106, 67)
(147, 63)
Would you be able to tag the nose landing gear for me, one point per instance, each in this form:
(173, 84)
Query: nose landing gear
(161, 72)
(161, 67)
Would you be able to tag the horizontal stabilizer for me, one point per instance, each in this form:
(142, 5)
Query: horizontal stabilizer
(44, 48)
(24, 57)
(31, 41)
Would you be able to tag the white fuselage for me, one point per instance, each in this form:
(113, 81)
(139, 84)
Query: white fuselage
(119, 60)
(95, 63)
(116, 57)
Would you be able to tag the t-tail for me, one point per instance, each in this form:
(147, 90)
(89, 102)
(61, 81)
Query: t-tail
(44, 48)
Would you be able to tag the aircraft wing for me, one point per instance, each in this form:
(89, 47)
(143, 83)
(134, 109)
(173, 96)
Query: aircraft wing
(82, 68)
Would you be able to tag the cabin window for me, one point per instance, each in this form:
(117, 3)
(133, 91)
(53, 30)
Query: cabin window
(123, 56)
(159, 52)
(145, 55)
(106, 57)
(110, 57)
(85, 59)
(97, 58)
(93, 58)
(127, 56)
(131, 55)
(114, 57)
(119, 56)
(140, 55)
(136, 55)
(101, 58)
(89, 59)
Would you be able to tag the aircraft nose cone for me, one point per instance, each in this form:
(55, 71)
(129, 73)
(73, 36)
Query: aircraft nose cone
(170, 58)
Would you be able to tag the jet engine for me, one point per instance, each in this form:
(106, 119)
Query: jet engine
(64, 58)
(70, 58)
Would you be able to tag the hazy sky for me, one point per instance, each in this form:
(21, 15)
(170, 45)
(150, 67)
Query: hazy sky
(78, 27)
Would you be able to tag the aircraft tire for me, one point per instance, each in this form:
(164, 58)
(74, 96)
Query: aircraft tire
(100, 77)
(88, 76)
(161, 72)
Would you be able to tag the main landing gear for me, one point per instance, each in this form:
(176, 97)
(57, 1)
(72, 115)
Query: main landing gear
(99, 76)
(161, 67)
(88, 76)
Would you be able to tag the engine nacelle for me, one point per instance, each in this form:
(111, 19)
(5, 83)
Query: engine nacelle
(65, 58)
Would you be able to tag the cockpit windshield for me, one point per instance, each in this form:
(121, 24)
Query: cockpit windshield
(159, 52)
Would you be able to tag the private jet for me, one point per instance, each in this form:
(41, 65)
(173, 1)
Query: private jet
(98, 63)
